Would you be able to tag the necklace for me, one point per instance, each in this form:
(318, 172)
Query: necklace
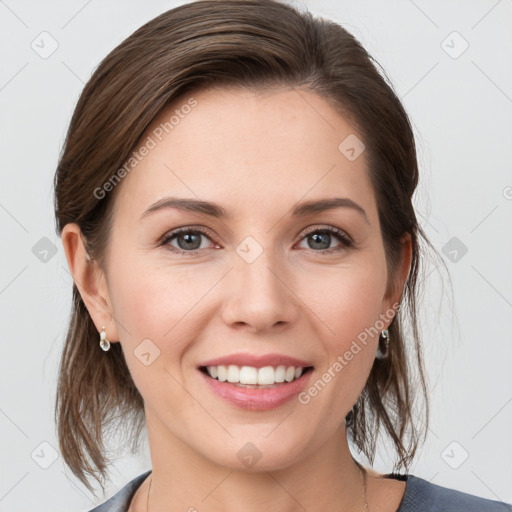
(147, 503)
(361, 469)
(363, 474)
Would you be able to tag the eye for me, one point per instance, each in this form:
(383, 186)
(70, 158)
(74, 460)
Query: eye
(187, 239)
(321, 239)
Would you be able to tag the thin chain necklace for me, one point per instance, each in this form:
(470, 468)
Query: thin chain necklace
(361, 469)
(365, 501)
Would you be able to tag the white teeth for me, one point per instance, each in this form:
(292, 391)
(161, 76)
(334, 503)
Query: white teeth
(233, 373)
(280, 373)
(222, 373)
(264, 376)
(290, 374)
(248, 375)
(212, 370)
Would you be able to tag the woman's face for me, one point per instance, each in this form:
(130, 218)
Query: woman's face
(255, 281)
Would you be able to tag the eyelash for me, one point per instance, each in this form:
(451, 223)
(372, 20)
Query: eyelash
(340, 235)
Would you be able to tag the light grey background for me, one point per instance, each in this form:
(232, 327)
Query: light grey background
(460, 104)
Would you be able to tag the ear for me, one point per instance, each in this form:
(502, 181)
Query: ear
(395, 290)
(90, 281)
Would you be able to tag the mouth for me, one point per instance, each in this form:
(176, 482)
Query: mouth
(256, 389)
(266, 377)
(257, 382)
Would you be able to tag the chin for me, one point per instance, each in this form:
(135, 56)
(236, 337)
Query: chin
(256, 453)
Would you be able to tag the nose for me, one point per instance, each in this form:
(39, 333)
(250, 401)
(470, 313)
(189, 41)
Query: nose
(260, 295)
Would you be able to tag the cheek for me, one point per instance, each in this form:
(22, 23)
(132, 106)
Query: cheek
(150, 299)
(161, 304)
(150, 313)
(347, 300)
(349, 304)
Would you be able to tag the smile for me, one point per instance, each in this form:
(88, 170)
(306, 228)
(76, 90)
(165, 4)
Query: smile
(274, 386)
(252, 376)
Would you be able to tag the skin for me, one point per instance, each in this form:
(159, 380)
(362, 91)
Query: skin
(257, 155)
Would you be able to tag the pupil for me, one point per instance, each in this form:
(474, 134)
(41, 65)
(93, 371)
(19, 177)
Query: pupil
(317, 238)
(189, 238)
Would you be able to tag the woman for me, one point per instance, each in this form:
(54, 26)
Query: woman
(267, 141)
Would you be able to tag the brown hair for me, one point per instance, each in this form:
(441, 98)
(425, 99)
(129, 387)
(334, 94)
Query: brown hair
(231, 43)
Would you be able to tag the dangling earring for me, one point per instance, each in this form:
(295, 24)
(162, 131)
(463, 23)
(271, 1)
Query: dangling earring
(104, 343)
(380, 354)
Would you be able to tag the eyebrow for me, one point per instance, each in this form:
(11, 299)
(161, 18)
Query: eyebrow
(214, 210)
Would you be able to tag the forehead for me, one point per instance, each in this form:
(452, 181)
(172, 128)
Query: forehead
(250, 149)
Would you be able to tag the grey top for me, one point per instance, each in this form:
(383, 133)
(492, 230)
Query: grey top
(420, 496)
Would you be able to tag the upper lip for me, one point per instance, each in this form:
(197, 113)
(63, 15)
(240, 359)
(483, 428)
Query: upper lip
(257, 361)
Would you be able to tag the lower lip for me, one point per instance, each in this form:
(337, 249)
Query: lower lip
(257, 399)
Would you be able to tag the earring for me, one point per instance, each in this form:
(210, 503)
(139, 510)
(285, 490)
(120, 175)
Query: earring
(104, 343)
(380, 354)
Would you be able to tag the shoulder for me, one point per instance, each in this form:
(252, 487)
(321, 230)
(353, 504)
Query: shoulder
(121, 500)
(424, 496)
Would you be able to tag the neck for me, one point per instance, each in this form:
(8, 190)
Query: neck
(322, 477)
